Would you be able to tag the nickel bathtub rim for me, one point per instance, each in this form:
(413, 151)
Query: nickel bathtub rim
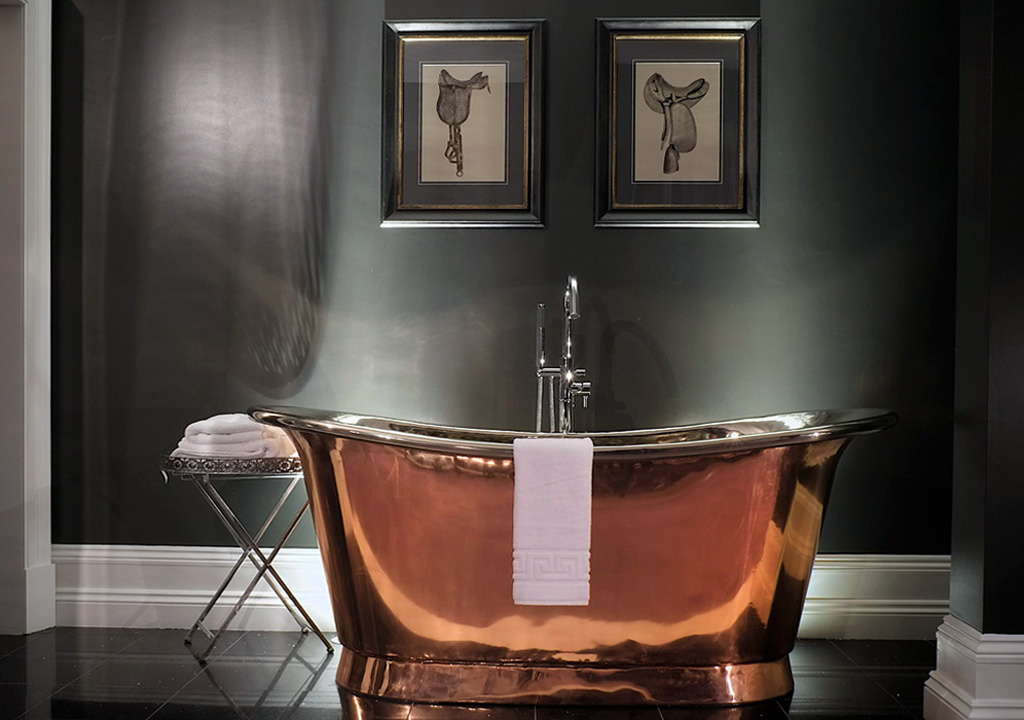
(739, 435)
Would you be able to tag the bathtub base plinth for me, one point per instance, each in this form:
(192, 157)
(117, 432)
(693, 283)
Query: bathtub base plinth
(521, 683)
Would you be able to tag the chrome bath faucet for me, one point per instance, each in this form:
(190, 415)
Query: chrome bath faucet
(570, 386)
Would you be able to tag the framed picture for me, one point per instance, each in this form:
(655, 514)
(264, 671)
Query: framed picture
(678, 122)
(462, 123)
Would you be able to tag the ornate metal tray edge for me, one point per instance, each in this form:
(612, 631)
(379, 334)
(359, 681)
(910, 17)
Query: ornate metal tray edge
(190, 465)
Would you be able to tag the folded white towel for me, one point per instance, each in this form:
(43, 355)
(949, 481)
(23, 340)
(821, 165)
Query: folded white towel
(225, 424)
(229, 439)
(269, 433)
(551, 521)
(233, 435)
(262, 448)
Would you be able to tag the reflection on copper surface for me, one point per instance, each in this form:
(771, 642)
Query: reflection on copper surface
(699, 569)
(368, 708)
(567, 683)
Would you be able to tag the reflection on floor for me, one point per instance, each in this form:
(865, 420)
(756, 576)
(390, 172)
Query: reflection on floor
(113, 674)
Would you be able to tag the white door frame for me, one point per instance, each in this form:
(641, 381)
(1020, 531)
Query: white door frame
(27, 579)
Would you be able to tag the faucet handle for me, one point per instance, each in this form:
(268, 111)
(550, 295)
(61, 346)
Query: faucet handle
(583, 390)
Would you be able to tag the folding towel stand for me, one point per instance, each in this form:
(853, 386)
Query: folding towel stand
(201, 471)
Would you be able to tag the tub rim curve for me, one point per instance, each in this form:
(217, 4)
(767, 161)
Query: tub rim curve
(726, 436)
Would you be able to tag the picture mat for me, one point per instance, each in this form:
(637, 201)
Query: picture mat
(503, 48)
(628, 47)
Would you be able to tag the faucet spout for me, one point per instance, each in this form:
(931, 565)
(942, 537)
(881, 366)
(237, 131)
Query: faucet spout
(570, 386)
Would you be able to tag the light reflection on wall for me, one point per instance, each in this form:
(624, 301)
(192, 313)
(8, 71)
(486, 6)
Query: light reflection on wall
(204, 229)
(234, 141)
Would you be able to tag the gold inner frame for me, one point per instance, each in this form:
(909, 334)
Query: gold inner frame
(527, 92)
(613, 129)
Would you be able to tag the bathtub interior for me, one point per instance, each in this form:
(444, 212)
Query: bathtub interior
(728, 435)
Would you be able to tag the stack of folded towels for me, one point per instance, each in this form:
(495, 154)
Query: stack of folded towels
(234, 435)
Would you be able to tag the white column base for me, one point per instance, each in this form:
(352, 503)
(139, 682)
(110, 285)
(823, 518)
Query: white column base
(41, 582)
(978, 676)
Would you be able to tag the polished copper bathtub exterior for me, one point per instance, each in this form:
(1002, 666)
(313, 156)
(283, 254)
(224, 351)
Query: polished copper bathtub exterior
(703, 539)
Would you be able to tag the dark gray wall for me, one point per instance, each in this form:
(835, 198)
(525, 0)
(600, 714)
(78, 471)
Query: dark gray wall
(228, 276)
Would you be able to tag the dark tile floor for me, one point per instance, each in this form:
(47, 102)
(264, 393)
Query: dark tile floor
(112, 674)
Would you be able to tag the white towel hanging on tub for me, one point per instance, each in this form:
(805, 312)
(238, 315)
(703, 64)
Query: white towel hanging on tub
(551, 520)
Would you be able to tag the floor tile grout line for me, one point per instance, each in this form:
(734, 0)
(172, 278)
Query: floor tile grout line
(11, 652)
(871, 667)
(843, 653)
(204, 665)
(58, 688)
(899, 702)
(176, 693)
(871, 675)
(784, 711)
(130, 645)
(48, 698)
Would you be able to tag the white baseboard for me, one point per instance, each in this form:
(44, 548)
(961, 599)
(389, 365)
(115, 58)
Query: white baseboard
(866, 597)
(850, 596)
(978, 676)
(159, 586)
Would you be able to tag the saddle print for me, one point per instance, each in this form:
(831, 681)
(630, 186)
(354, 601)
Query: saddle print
(453, 98)
(679, 134)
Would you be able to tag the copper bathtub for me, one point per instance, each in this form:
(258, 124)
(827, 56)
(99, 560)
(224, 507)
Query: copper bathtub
(703, 539)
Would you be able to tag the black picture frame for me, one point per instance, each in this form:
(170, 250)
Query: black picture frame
(678, 122)
(462, 123)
